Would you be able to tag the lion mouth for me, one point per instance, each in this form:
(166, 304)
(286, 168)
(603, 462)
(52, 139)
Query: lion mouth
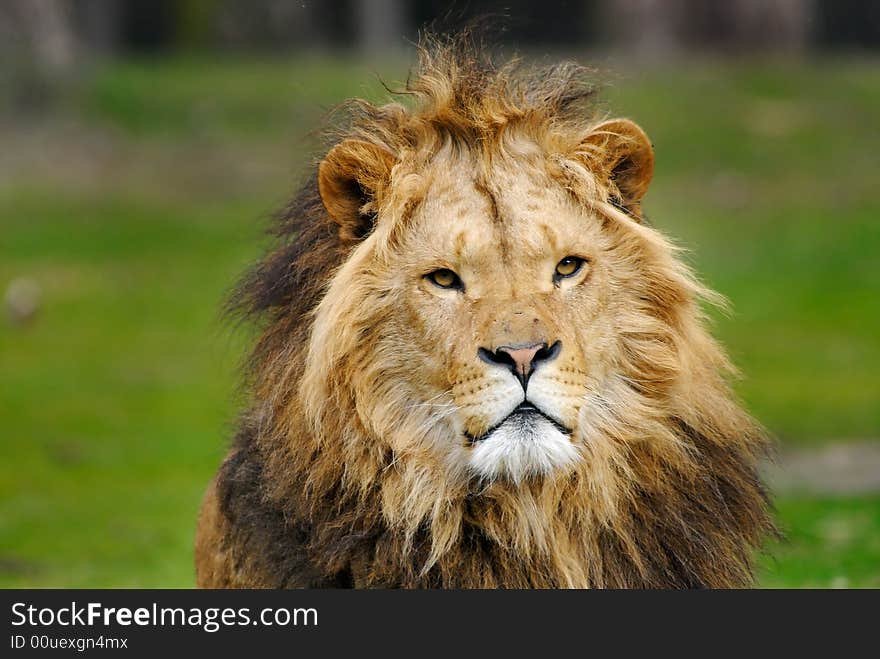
(522, 414)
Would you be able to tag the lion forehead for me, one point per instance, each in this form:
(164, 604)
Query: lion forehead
(510, 211)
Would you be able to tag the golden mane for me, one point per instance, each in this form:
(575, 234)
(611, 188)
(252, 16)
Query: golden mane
(311, 495)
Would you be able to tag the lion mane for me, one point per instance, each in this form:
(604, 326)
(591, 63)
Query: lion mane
(314, 494)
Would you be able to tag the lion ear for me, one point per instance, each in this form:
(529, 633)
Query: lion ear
(349, 178)
(620, 151)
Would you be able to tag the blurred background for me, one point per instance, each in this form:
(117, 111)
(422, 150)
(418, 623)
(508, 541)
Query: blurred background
(144, 142)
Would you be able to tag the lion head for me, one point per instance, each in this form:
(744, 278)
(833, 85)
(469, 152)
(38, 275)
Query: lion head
(481, 365)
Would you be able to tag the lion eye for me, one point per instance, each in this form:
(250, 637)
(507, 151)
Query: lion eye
(568, 267)
(444, 278)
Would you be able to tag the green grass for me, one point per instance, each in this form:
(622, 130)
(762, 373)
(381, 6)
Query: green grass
(117, 401)
(189, 96)
(829, 543)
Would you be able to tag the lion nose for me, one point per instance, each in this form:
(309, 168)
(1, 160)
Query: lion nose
(522, 360)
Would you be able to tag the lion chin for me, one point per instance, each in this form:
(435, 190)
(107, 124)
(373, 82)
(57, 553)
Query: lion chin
(527, 443)
(479, 366)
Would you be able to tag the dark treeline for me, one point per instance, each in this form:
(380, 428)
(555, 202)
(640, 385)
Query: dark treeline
(58, 31)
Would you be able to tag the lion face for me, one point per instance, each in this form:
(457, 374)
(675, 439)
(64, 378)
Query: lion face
(490, 302)
(506, 290)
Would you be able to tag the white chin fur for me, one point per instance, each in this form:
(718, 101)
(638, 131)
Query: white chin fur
(522, 446)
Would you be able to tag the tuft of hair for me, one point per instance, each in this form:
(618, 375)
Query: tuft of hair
(314, 499)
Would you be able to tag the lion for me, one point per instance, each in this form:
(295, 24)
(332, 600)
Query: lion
(479, 365)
